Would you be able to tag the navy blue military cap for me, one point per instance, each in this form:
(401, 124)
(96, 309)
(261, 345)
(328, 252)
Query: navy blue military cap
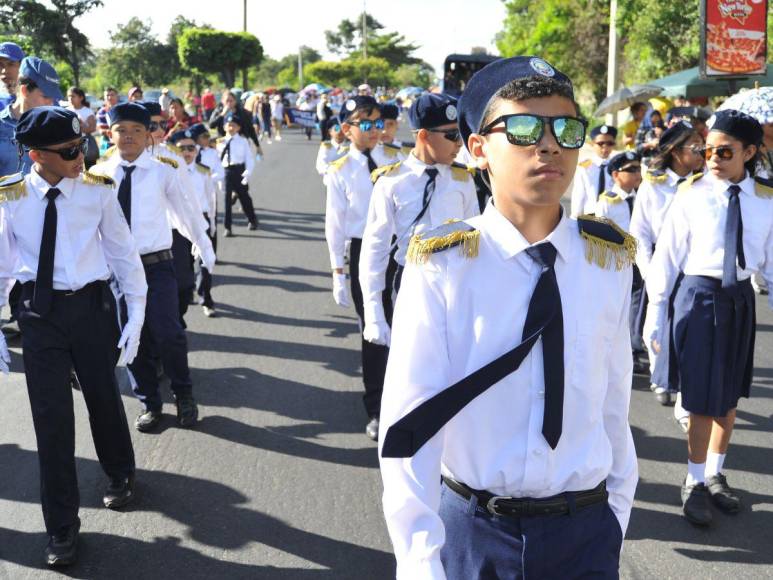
(130, 111)
(354, 104)
(153, 107)
(232, 117)
(622, 160)
(432, 110)
(11, 51)
(43, 75)
(487, 81)
(177, 136)
(332, 122)
(46, 126)
(736, 124)
(603, 130)
(389, 111)
(674, 133)
(198, 130)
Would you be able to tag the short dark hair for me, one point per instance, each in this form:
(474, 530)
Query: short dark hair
(532, 87)
(27, 82)
(664, 157)
(638, 106)
(109, 90)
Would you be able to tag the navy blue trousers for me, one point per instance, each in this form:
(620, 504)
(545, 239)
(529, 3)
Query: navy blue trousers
(81, 332)
(479, 546)
(203, 276)
(162, 337)
(183, 269)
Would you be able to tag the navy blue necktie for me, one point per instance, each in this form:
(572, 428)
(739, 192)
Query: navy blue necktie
(733, 240)
(372, 165)
(601, 186)
(544, 318)
(125, 193)
(44, 280)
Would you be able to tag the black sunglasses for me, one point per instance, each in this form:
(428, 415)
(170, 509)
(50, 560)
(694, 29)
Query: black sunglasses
(724, 152)
(524, 129)
(154, 126)
(69, 153)
(450, 134)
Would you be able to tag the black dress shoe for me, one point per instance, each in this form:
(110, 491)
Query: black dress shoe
(695, 503)
(640, 367)
(62, 549)
(252, 227)
(147, 421)
(722, 495)
(187, 411)
(119, 492)
(371, 429)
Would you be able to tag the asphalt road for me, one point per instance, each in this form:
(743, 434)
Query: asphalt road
(278, 479)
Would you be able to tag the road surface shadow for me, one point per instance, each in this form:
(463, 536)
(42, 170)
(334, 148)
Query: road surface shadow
(335, 329)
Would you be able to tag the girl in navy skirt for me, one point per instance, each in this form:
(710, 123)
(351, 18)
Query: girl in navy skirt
(718, 232)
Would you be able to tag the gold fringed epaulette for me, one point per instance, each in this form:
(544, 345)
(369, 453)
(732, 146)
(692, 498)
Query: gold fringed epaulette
(326, 145)
(449, 235)
(391, 150)
(585, 164)
(384, 170)
(655, 176)
(460, 172)
(109, 152)
(338, 163)
(168, 161)
(97, 179)
(201, 168)
(174, 149)
(12, 187)
(688, 182)
(611, 197)
(606, 244)
(406, 148)
(763, 187)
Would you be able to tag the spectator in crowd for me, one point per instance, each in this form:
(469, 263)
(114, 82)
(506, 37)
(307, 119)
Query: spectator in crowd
(11, 56)
(110, 96)
(265, 117)
(165, 100)
(649, 132)
(179, 119)
(324, 112)
(80, 106)
(208, 104)
(135, 94)
(629, 129)
(230, 104)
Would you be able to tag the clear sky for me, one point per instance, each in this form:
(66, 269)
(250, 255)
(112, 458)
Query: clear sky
(440, 27)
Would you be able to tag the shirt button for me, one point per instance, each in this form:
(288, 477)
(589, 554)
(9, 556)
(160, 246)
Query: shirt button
(537, 452)
(541, 394)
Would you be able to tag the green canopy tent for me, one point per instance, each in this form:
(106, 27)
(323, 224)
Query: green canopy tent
(688, 84)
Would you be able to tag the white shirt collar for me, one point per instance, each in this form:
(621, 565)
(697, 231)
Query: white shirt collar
(144, 160)
(41, 186)
(722, 185)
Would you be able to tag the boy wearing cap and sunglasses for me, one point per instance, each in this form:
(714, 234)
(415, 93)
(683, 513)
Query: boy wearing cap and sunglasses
(331, 149)
(592, 178)
(349, 189)
(510, 368)
(62, 236)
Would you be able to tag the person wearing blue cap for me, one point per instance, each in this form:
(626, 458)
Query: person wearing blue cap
(334, 148)
(239, 163)
(390, 114)
(11, 56)
(38, 85)
(592, 178)
(349, 189)
(410, 197)
(63, 236)
(208, 155)
(150, 192)
(717, 232)
(506, 450)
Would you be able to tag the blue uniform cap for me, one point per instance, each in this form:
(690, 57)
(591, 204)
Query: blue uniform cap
(43, 75)
(153, 107)
(603, 130)
(232, 117)
(673, 134)
(389, 111)
(130, 111)
(180, 135)
(354, 104)
(432, 110)
(11, 51)
(46, 126)
(621, 160)
(736, 124)
(487, 81)
(332, 122)
(198, 130)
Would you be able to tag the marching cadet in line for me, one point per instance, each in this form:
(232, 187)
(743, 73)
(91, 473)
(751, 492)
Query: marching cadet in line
(62, 233)
(409, 197)
(718, 231)
(208, 155)
(333, 149)
(349, 189)
(390, 114)
(592, 178)
(676, 159)
(150, 189)
(510, 368)
(239, 163)
(200, 178)
(617, 205)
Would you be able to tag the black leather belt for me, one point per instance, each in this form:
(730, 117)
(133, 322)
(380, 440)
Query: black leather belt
(520, 507)
(156, 257)
(28, 289)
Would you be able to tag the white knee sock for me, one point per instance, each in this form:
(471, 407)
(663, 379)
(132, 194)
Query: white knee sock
(714, 463)
(696, 473)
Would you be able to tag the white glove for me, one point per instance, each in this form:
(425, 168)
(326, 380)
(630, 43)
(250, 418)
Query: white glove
(245, 180)
(340, 292)
(130, 341)
(5, 356)
(654, 326)
(206, 253)
(377, 332)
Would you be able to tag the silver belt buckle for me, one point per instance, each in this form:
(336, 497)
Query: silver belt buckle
(491, 504)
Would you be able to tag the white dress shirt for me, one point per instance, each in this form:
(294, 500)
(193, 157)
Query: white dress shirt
(156, 190)
(649, 212)
(457, 314)
(395, 204)
(585, 185)
(92, 238)
(239, 153)
(614, 205)
(203, 189)
(349, 188)
(693, 236)
(328, 152)
(211, 158)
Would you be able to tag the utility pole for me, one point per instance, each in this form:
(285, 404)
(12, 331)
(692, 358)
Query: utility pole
(364, 35)
(612, 69)
(244, 28)
(300, 68)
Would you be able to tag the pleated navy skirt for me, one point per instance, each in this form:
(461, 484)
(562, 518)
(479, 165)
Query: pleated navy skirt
(713, 344)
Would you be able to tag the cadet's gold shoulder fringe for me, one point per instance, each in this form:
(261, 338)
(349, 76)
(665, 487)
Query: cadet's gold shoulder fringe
(168, 161)
(384, 170)
(96, 179)
(456, 233)
(763, 187)
(338, 163)
(12, 187)
(606, 244)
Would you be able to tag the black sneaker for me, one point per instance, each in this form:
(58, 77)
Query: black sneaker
(695, 503)
(62, 549)
(722, 495)
(371, 429)
(147, 421)
(187, 410)
(119, 492)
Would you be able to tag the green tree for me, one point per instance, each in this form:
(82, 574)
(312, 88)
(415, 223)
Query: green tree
(215, 51)
(329, 73)
(414, 75)
(371, 69)
(348, 36)
(179, 25)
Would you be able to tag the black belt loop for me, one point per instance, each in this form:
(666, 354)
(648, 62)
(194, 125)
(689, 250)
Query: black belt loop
(571, 503)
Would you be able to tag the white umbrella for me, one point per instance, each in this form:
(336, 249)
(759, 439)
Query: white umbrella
(757, 103)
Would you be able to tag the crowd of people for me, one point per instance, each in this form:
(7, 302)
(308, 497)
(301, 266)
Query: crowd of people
(498, 385)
